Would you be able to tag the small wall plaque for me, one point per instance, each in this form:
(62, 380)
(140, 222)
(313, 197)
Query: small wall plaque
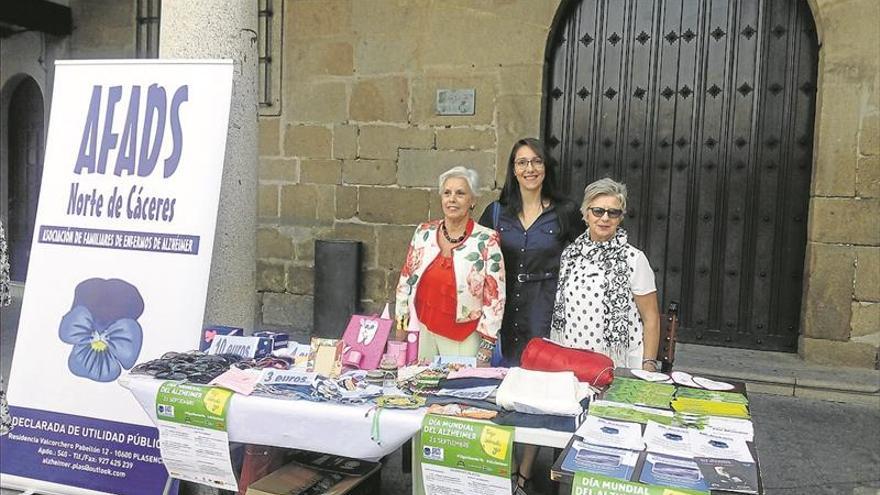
(455, 101)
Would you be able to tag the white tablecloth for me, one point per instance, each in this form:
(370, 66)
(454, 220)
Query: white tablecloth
(320, 426)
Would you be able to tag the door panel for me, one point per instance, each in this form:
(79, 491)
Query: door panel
(705, 109)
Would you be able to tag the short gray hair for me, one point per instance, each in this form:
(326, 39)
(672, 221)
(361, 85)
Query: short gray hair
(604, 187)
(468, 174)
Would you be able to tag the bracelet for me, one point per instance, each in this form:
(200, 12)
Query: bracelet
(489, 346)
(656, 362)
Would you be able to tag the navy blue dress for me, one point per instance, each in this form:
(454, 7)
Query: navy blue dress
(531, 260)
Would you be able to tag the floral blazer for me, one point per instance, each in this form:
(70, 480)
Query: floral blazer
(479, 277)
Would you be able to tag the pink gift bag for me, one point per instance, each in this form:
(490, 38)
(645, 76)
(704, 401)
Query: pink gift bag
(365, 338)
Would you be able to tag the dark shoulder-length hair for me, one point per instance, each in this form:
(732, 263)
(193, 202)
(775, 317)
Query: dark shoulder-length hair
(511, 198)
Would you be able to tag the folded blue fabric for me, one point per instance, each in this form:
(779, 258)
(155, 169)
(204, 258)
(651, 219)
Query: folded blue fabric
(468, 382)
(549, 421)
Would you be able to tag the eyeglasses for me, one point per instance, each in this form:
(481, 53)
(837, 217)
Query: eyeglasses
(600, 212)
(523, 163)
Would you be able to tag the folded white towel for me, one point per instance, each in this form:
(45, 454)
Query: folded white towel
(542, 392)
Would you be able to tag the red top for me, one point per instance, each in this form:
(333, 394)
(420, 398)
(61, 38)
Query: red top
(436, 298)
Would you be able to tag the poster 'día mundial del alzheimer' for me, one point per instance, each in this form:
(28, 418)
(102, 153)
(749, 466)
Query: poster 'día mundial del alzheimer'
(118, 270)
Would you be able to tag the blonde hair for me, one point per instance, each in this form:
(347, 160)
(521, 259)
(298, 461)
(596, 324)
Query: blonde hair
(604, 187)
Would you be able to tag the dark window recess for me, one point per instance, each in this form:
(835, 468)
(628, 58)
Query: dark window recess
(147, 38)
(266, 14)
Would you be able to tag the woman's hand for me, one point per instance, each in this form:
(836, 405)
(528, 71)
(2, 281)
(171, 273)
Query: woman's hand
(484, 353)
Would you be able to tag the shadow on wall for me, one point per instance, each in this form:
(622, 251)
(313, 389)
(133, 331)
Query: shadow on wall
(8, 328)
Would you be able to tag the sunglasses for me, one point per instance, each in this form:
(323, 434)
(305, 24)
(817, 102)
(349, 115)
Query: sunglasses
(600, 212)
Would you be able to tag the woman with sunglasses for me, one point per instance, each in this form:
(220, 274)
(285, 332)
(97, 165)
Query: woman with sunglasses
(606, 299)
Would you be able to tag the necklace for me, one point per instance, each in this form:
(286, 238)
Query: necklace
(450, 239)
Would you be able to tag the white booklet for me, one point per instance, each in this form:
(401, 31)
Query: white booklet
(720, 447)
(620, 434)
(669, 440)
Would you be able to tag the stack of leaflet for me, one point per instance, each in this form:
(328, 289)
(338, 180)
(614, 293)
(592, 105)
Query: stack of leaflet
(665, 435)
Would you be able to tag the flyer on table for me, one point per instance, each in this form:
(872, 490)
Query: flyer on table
(192, 428)
(465, 457)
(594, 484)
(119, 266)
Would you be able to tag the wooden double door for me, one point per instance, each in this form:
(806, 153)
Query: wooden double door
(705, 109)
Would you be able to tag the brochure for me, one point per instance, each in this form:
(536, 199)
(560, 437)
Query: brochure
(712, 395)
(629, 412)
(672, 471)
(730, 427)
(710, 407)
(600, 431)
(729, 474)
(595, 484)
(669, 440)
(633, 391)
(719, 447)
(607, 461)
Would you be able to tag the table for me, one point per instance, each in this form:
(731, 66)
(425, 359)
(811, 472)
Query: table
(565, 478)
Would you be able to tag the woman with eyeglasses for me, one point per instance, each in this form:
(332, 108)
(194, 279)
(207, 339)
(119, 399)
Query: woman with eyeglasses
(535, 224)
(606, 299)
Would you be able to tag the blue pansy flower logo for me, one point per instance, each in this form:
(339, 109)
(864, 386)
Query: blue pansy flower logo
(103, 329)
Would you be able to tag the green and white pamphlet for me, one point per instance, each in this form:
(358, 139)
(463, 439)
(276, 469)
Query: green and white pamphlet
(593, 484)
(192, 433)
(465, 457)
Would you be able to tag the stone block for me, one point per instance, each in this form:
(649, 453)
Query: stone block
(838, 111)
(868, 176)
(865, 319)
(374, 285)
(382, 141)
(306, 60)
(393, 244)
(375, 172)
(423, 168)
(828, 291)
(539, 12)
(481, 39)
(317, 18)
(348, 231)
(346, 202)
(321, 171)
(521, 79)
(318, 102)
(269, 136)
(386, 54)
(465, 138)
(302, 279)
(298, 204)
(396, 206)
(292, 310)
(306, 141)
(273, 244)
(326, 204)
(345, 141)
(305, 249)
(869, 134)
(270, 277)
(267, 201)
(384, 99)
(279, 169)
(425, 97)
(404, 19)
(844, 220)
(832, 353)
(850, 34)
(867, 285)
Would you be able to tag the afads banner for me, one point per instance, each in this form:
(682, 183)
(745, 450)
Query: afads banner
(118, 270)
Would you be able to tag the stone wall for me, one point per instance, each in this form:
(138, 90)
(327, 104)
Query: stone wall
(841, 308)
(357, 149)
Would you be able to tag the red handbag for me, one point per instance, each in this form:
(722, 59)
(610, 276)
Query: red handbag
(588, 366)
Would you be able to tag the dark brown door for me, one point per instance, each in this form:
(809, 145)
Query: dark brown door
(705, 109)
(25, 172)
